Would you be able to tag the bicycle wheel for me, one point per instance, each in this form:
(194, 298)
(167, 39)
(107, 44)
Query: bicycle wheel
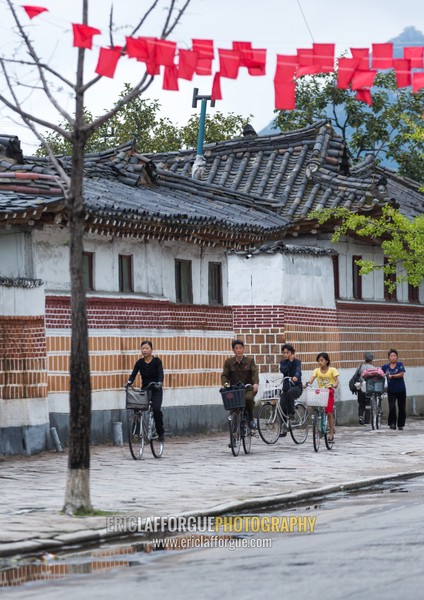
(269, 423)
(373, 412)
(234, 425)
(328, 443)
(246, 435)
(299, 425)
(155, 445)
(379, 413)
(135, 435)
(316, 433)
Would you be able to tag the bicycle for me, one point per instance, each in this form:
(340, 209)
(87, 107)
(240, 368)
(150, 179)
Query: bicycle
(317, 398)
(374, 389)
(273, 421)
(141, 423)
(234, 399)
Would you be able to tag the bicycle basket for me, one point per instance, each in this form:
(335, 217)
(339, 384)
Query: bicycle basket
(137, 399)
(271, 390)
(317, 396)
(374, 385)
(233, 398)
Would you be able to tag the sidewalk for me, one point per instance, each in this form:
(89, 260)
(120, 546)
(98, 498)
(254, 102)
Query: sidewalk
(195, 475)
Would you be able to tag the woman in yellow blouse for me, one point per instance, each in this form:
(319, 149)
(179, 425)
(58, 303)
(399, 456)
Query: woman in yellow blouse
(327, 377)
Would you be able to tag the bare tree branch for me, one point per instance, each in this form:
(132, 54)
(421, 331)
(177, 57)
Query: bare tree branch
(168, 19)
(112, 45)
(177, 19)
(142, 21)
(37, 61)
(42, 65)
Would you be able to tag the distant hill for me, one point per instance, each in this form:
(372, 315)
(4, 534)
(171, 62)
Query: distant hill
(410, 36)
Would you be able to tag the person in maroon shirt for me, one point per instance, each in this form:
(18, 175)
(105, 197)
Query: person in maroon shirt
(151, 371)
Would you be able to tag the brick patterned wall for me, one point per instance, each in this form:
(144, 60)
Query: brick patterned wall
(188, 360)
(22, 358)
(109, 313)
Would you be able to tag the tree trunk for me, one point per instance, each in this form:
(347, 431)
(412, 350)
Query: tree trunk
(77, 495)
(77, 487)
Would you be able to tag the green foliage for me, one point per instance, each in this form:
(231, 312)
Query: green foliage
(139, 120)
(383, 129)
(402, 241)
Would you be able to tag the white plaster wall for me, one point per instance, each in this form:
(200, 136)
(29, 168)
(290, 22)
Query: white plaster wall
(281, 279)
(23, 412)
(28, 302)
(153, 264)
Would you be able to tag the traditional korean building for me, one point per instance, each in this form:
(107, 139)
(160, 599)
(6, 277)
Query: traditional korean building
(190, 261)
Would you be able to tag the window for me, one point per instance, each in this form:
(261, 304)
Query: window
(356, 278)
(215, 283)
(413, 294)
(391, 277)
(183, 283)
(126, 273)
(88, 268)
(336, 276)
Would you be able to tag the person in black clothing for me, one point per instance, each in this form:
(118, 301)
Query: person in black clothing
(290, 366)
(151, 370)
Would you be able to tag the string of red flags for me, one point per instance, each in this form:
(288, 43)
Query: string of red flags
(356, 73)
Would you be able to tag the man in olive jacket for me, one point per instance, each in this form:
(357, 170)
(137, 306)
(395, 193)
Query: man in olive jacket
(242, 369)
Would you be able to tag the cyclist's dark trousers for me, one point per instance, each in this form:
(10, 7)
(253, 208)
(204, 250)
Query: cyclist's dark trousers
(401, 416)
(287, 399)
(250, 403)
(157, 412)
(363, 401)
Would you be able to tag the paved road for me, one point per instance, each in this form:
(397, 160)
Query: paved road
(194, 474)
(365, 545)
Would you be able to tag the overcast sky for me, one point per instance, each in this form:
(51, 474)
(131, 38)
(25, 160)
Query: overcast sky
(277, 25)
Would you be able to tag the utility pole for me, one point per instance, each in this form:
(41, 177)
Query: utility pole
(200, 160)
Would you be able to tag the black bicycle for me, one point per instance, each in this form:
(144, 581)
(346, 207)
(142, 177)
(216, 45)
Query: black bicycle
(374, 389)
(234, 399)
(141, 422)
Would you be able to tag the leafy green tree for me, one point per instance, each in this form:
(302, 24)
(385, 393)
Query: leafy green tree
(402, 241)
(383, 129)
(139, 120)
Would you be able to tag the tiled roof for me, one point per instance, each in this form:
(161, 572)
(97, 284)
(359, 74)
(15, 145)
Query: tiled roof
(248, 190)
(292, 173)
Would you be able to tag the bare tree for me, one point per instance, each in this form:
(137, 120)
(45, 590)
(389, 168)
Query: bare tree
(77, 495)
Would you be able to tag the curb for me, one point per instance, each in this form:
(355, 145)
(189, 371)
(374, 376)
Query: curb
(92, 536)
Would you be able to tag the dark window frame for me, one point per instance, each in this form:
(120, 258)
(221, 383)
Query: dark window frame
(215, 297)
(183, 296)
(88, 258)
(356, 279)
(336, 275)
(413, 294)
(127, 260)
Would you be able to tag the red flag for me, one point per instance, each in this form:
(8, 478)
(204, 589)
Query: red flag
(286, 68)
(229, 63)
(83, 35)
(403, 72)
(346, 68)
(34, 11)
(137, 48)
(415, 55)
(108, 60)
(364, 96)
(204, 66)
(323, 56)
(216, 87)
(363, 79)
(187, 61)
(204, 48)
(305, 58)
(170, 78)
(417, 82)
(382, 56)
(245, 49)
(285, 95)
(364, 55)
(257, 64)
(165, 52)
